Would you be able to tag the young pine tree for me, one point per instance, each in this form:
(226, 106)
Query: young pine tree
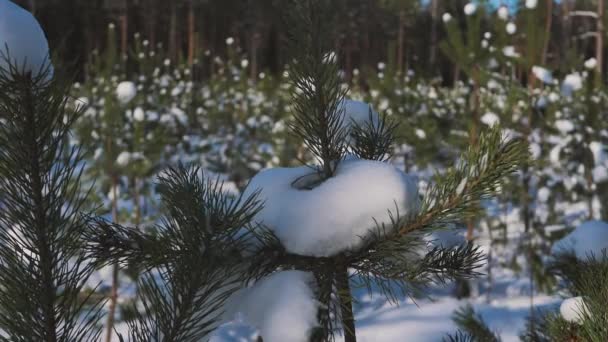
(42, 267)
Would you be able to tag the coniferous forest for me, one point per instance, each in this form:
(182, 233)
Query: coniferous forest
(303, 170)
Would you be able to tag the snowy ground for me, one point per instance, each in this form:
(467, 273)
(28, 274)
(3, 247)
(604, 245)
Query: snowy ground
(422, 321)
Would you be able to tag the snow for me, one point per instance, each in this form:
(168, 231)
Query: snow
(564, 126)
(590, 237)
(26, 42)
(572, 309)
(591, 63)
(509, 51)
(470, 8)
(446, 17)
(490, 119)
(357, 112)
(544, 194)
(139, 115)
(572, 83)
(511, 28)
(335, 215)
(542, 74)
(123, 158)
(125, 92)
(531, 4)
(426, 320)
(503, 13)
(282, 306)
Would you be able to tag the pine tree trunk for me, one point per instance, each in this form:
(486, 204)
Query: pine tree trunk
(173, 31)
(400, 41)
(473, 133)
(124, 29)
(115, 282)
(548, 22)
(191, 33)
(433, 52)
(599, 47)
(346, 299)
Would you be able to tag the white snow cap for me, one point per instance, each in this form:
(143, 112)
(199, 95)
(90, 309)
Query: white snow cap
(282, 306)
(590, 237)
(357, 112)
(470, 8)
(490, 119)
(511, 28)
(503, 12)
(591, 63)
(27, 44)
(139, 114)
(572, 83)
(509, 51)
(446, 17)
(573, 309)
(126, 91)
(337, 214)
(542, 74)
(531, 4)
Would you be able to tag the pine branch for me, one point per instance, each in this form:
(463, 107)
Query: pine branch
(195, 269)
(456, 195)
(473, 325)
(318, 96)
(374, 140)
(42, 267)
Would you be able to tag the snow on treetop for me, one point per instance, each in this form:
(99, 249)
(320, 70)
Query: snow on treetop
(591, 237)
(22, 40)
(357, 112)
(573, 309)
(335, 215)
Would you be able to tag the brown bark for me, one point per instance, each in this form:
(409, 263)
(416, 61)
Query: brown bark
(433, 52)
(548, 22)
(173, 31)
(400, 41)
(599, 42)
(191, 33)
(115, 281)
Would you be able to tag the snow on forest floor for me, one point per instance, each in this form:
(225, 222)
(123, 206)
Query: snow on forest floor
(425, 320)
(422, 321)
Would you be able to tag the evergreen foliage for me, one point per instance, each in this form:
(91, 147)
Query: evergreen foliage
(586, 278)
(192, 261)
(43, 269)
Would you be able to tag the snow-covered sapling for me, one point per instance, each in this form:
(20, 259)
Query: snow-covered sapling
(350, 216)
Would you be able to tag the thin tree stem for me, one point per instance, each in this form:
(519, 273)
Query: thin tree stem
(115, 283)
(346, 299)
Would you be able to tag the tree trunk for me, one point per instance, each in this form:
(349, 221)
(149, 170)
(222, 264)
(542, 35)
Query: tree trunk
(124, 33)
(173, 31)
(191, 33)
(433, 52)
(548, 22)
(115, 281)
(346, 300)
(400, 41)
(599, 42)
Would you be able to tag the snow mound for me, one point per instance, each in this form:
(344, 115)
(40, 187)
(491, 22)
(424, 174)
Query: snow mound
(125, 92)
(335, 215)
(573, 309)
(21, 33)
(357, 112)
(591, 237)
(572, 83)
(282, 306)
